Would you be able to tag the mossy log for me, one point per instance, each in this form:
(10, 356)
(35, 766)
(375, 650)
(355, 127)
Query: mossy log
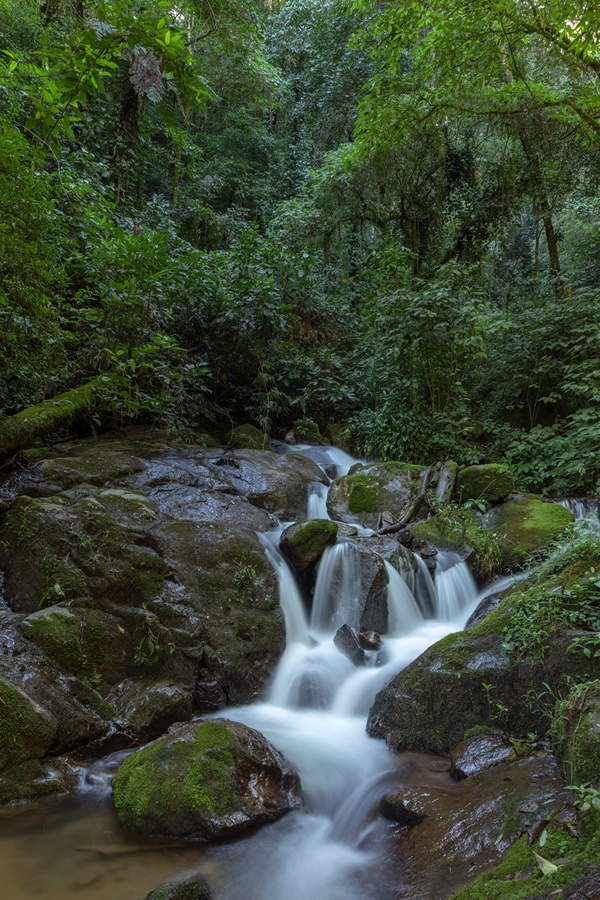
(52, 415)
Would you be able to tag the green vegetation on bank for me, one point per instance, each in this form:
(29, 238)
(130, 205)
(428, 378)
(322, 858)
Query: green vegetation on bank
(265, 213)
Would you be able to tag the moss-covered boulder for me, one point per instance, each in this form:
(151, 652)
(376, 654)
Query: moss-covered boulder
(577, 729)
(249, 437)
(189, 889)
(27, 730)
(307, 432)
(491, 482)
(224, 604)
(37, 778)
(341, 436)
(205, 781)
(443, 533)
(368, 490)
(486, 676)
(83, 641)
(526, 525)
(304, 542)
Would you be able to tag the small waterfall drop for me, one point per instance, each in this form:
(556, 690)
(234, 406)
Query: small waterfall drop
(337, 591)
(317, 501)
(588, 508)
(404, 614)
(455, 587)
(296, 625)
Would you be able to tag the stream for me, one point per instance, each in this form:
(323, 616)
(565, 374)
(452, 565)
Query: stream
(335, 848)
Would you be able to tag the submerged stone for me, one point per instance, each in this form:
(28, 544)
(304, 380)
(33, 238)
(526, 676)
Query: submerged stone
(206, 781)
(347, 643)
(189, 889)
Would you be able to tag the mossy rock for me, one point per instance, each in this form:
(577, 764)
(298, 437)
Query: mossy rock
(189, 889)
(579, 723)
(442, 534)
(27, 730)
(205, 781)
(82, 641)
(205, 441)
(307, 432)
(491, 482)
(305, 542)
(473, 678)
(249, 437)
(129, 504)
(525, 526)
(232, 602)
(371, 489)
(95, 466)
(36, 778)
(341, 436)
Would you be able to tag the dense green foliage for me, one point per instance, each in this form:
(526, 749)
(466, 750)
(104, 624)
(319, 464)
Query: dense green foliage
(379, 215)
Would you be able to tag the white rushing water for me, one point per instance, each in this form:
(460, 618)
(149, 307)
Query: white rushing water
(316, 710)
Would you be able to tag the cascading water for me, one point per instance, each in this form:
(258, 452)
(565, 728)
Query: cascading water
(315, 714)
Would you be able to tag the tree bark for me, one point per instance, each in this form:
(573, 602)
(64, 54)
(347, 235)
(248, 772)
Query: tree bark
(52, 415)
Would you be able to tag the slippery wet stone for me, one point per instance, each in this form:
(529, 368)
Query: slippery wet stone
(473, 756)
(368, 490)
(188, 889)
(206, 781)
(467, 825)
(347, 643)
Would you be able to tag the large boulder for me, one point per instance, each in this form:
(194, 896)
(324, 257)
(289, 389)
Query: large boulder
(476, 677)
(526, 525)
(371, 489)
(136, 562)
(491, 482)
(205, 781)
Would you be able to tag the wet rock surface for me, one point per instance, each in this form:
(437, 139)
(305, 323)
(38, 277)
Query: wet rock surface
(189, 889)
(349, 644)
(369, 490)
(136, 562)
(205, 781)
(466, 826)
(474, 756)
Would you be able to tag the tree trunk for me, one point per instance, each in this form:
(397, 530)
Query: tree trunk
(51, 415)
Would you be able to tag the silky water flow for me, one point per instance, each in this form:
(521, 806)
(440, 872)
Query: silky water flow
(315, 713)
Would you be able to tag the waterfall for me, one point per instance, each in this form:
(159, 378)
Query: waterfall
(455, 587)
(424, 589)
(337, 591)
(317, 500)
(296, 626)
(587, 508)
(404, 614)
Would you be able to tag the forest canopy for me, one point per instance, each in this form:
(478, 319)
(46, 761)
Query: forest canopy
(381, 216)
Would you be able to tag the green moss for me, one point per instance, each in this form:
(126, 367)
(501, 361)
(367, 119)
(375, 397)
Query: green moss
(248, 437)
(33, 779)
(362, 495)
(83, 641)
(491, 482)
(129, 503)
(341, 436)
(518, 876)
(309, 539)
(576, 732)
(190, 889)
(177, 779)
(525, 526)
(26, 729)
